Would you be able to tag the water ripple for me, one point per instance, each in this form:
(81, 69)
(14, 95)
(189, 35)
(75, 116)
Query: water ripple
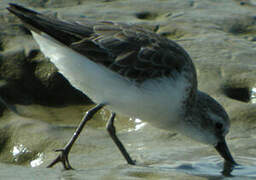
(253, 95)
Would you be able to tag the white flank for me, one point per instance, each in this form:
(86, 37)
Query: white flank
(153, 101)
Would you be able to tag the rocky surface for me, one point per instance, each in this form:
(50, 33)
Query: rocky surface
(220, 36)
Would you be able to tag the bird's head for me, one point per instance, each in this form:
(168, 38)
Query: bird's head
(210, 124)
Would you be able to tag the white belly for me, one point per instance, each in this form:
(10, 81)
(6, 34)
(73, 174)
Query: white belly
(157, 101)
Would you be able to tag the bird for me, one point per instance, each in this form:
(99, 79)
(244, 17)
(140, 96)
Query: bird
(132, 71)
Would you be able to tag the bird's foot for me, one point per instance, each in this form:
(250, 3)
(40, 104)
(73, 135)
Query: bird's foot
(63, 158)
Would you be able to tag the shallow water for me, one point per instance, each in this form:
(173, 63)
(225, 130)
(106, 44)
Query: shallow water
(158, 154)
(192, 170)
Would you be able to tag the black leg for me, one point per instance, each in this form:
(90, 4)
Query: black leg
(112, 132)
(63, 156)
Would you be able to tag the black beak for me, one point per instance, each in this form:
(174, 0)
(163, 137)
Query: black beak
(223, 150)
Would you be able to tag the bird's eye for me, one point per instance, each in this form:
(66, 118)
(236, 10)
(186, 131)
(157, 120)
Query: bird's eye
(218, 126)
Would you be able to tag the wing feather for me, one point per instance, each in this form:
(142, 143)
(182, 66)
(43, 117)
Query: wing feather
(130, 50)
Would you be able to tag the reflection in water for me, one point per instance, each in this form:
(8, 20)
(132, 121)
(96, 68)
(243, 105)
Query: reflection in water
(138, 124)
(20, 153)
(19, 150)
(38, 161)
(253, 95)
(212, 168)
(228, 168)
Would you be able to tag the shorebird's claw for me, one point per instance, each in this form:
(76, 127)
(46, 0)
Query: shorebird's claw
(63, 158)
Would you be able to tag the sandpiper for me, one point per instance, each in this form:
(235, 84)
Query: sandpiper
(132, 71)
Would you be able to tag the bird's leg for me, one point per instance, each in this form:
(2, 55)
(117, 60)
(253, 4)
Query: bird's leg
(112, 132)
(63, 156)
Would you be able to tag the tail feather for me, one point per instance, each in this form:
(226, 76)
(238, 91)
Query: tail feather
(65, 32)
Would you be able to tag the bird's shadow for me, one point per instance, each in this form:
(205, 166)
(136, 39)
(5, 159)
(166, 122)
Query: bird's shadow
(223, 171)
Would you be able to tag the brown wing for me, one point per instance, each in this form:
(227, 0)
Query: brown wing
(132, 51)
(129, 50)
